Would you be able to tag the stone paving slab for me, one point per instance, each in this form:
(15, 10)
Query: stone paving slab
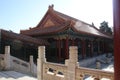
(3, 75)
(12, 75)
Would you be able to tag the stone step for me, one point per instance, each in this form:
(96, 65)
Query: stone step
(12, 75)
(3, 75)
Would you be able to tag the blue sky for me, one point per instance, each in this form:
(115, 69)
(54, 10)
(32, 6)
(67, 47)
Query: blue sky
(18, 15)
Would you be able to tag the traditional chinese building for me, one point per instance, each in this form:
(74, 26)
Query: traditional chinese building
(62, 31)
(22, 46)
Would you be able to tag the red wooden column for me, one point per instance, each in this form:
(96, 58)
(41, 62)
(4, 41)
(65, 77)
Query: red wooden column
(59, 49)
(73, 42)
(83, 48)
(98, 46)
(91, 48)
(116, 4)
(103, 47)
(67, 48)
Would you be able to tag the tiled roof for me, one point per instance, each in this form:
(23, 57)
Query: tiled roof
(21, 37)
(82, 27)
(78, 25)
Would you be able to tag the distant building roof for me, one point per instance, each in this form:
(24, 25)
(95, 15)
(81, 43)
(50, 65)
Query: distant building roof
(24, 38)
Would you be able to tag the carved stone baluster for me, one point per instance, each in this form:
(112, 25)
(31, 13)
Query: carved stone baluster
(7, 58)
(111, 78)
(81, 77)
(96, 78)
(55, 72)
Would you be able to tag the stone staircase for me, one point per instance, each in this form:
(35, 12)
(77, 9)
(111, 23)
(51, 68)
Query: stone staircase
(13, 75)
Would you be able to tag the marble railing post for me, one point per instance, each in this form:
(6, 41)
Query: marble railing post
(98, 65)
(72, 63)
(7, 57)
(41, 59)
(32, 65)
